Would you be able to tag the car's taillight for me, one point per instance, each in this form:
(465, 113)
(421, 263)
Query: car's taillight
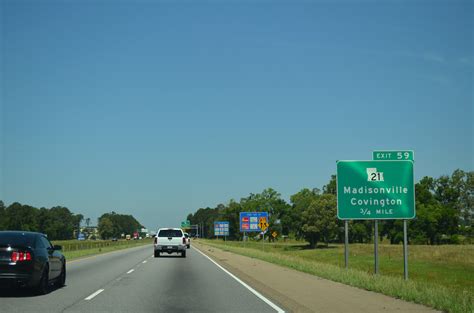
(20, 256)
(184, 240)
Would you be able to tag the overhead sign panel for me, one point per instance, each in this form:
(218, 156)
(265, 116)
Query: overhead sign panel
(368, 190)
(253, 221)
(221, 228)
(393, 155)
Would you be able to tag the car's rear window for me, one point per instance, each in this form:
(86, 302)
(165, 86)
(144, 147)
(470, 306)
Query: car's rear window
(22, 239)
(170, 233)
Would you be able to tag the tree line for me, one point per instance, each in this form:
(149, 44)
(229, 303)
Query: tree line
(59, 223)
(444, 214)
(114, 225)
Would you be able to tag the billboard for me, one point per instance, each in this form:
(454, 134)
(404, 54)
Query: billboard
(221, 228)
(253, 221)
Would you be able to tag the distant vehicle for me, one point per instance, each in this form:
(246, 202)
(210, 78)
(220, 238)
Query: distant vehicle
(114, 239)
(127, 237)
(188, 240)
(28, 259)
(170, 240)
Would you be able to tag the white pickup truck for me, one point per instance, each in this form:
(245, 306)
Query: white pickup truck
(170, 240)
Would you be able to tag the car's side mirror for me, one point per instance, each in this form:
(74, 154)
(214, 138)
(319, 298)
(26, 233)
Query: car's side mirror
(56, 247)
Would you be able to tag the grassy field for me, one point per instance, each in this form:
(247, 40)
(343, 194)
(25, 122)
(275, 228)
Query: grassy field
(73, 249)
(440, 276)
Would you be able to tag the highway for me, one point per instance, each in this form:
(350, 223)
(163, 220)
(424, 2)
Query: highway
(133, 281)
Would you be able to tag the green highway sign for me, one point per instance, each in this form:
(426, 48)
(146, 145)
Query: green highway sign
(393, 155)
(372, 190)
(185, 224)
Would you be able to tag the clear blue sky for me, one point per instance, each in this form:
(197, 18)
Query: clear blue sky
(157, 109)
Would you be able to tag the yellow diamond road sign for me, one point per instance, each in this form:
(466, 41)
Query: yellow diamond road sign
(274, 234)
(262, 223)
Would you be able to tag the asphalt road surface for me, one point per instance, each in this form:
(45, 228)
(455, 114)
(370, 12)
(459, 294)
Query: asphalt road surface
(133, 281)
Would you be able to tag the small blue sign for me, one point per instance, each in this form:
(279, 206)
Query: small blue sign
(81, 236)
(249, 221)
(221, 228)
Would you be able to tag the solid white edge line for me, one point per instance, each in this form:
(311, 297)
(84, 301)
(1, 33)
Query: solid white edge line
(130, 271)
(94, 294)
(255, 292)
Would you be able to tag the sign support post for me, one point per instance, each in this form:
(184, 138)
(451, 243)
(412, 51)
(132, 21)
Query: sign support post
(405, 250)
(346, 243)
(376, 246)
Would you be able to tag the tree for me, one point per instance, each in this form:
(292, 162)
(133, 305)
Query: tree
(331, 187)
(319, 220)
(106, 228)
(300, 201)
(425, 229)
(457, 192)
(231, 214)
(359, 232)
(314, 216)
(437, 216)
(466, 200)
(58, 222)
(206, 217)
(121, 223)
(21, 217)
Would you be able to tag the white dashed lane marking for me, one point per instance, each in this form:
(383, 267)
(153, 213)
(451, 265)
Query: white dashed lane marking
(93, 295)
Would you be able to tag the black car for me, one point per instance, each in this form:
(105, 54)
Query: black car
(29, 259)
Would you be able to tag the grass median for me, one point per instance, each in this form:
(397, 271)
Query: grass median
(441, 277)
(75, 249)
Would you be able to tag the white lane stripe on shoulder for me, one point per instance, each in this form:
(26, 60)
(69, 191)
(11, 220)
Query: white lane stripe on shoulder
(130, 271)
(144, 262)
(93, 295)
(255, 292)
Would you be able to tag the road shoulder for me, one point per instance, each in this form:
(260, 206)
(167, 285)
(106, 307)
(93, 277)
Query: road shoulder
(301, 292)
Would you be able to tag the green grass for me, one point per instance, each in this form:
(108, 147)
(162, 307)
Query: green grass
(74, 249)
(440, 276)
